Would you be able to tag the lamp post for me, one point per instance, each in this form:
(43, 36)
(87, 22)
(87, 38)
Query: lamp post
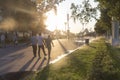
(65, 28)
(68, 26)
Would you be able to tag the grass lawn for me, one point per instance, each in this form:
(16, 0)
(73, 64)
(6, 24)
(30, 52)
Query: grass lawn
(97, 61)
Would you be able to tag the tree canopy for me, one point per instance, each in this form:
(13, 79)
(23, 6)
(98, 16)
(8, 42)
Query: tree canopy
(83, 12)
(113, 6)
(103, 25)
(25, 15)
(109, 10)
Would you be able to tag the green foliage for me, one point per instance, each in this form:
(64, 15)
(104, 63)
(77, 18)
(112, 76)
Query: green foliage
(113, 6)
(99, 28)
(103, 25)
(83, 12)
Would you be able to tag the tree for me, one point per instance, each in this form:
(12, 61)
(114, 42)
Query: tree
(83, 12)
(113, 6)
(109, 10)
(99, 28)
(25, 14)
(21, 12)
(103, 25)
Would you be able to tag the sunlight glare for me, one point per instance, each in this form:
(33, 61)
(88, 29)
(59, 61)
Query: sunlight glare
(51, 20)
(54, 22)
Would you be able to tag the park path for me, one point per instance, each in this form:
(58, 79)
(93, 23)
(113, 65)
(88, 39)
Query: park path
(20, 58)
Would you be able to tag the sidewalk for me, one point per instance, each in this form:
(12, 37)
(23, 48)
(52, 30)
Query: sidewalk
(21, 58)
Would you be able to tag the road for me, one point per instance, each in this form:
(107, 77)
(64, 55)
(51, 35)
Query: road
(20, 58)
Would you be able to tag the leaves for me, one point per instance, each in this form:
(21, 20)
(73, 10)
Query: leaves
(83, 12)
(113, 6)
(29, 15)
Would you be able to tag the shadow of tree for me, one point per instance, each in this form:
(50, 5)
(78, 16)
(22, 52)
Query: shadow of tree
(16, 75)
(11, 50)
(63, 47)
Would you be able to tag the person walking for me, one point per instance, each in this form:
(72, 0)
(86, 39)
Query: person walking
(49, 42)
(34, 42)
(41, 44)
(3, 43)
(15, 39)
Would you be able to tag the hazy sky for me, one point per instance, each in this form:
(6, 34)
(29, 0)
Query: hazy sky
(63, 10)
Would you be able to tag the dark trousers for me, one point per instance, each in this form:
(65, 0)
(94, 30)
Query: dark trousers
(34, 50)
(41, 47)
(49, 50)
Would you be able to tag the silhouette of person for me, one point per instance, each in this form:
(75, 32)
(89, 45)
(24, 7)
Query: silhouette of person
(15, 39)
(41, 44)
(49, 42)
(34, 42)
(3, 43)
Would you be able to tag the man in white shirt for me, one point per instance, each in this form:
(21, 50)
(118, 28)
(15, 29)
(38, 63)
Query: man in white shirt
(41, 44)
(34, 43)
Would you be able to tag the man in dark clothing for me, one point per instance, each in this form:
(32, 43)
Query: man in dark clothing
(48, 45)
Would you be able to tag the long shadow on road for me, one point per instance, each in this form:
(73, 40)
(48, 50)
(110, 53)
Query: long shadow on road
(43, 75)
(41, 64)
(22, 73)
(63, 47)
(27, 65)
(11, 50)
(32, 68)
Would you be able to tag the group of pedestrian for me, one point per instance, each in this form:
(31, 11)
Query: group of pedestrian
(38, 43)
(4, 40)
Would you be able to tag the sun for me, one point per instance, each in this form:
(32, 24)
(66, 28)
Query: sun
(54, 21)
(51, 21)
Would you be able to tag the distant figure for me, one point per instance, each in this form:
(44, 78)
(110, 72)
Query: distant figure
(15, 39)
(48, 45)
(3, 43)
(41, 44)
(34, 43)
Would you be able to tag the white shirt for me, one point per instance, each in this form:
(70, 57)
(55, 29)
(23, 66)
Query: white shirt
(40, 40)
(34, 40)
